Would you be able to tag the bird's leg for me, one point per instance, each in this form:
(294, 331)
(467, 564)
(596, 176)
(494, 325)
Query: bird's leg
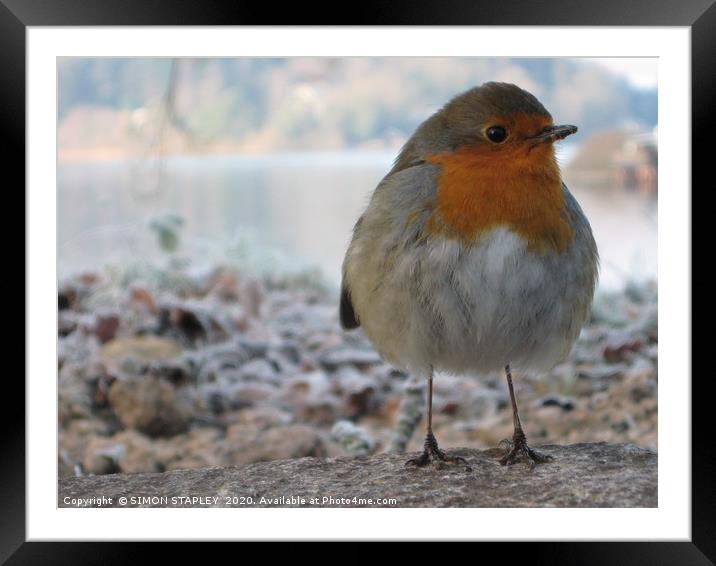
(518, 448)
(431, 451)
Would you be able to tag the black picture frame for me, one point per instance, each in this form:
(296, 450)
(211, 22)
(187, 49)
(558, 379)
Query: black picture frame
(699, 15)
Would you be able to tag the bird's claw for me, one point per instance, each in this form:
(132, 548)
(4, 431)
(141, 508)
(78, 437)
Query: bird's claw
(437, 456)
(518, 449)
(432, 453)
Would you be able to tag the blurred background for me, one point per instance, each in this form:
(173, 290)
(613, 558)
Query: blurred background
(204, 207)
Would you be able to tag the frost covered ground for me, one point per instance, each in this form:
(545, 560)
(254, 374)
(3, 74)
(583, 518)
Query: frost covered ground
(182, 368)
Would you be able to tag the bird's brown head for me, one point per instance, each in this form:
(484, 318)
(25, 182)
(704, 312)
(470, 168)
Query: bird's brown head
(494, 148)
(499, 120)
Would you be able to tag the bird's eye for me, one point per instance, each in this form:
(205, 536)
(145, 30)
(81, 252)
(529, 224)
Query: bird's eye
(496, 134)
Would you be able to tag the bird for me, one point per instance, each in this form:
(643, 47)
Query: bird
(472, 256)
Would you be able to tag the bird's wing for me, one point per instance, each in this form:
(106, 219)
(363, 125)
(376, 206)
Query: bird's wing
(349, 319)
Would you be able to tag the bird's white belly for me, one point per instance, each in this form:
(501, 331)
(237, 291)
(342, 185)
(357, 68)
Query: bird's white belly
(476, 309)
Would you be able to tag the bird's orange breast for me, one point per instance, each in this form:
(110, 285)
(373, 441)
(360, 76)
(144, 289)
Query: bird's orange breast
(483, 188)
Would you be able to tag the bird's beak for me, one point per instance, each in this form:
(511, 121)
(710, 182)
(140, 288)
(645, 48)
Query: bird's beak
(554, 133)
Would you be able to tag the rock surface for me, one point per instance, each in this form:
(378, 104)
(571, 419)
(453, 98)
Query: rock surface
(581, 475)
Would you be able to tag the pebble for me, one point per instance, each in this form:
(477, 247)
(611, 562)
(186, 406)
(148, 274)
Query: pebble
(552, 400)
(354, 439)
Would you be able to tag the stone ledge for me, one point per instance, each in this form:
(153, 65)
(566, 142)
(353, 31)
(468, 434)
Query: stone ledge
(581, 475)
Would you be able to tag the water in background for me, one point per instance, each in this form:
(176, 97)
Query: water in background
(290, 211)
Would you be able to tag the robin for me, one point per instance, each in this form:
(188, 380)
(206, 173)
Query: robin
(472, 255)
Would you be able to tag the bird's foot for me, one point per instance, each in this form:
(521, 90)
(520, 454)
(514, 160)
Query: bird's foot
(433, 454)
(517, 449)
